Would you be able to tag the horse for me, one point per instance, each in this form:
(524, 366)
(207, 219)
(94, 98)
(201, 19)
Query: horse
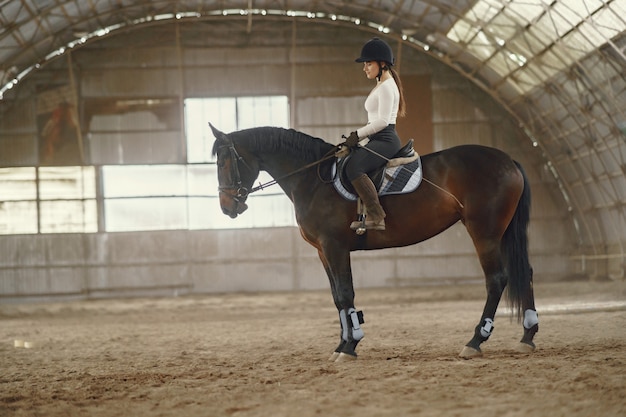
(480, 186)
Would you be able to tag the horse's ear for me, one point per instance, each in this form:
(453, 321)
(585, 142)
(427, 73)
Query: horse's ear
(219, 135)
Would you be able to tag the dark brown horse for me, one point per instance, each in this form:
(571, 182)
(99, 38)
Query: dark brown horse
(480, 186)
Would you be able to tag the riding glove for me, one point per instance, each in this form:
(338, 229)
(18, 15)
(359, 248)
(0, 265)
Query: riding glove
(352, 140)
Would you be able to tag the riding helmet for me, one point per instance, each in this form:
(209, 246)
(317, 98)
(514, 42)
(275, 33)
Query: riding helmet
(376, 49)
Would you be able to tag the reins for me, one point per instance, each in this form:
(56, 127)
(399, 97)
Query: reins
(329, 155)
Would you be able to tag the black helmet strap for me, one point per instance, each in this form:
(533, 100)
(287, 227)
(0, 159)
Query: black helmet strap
(381, 67)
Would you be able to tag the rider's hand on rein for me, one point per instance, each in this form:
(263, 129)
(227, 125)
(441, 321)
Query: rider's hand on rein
(352, 140)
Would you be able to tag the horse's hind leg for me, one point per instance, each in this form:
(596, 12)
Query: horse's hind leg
(496, 279)
(531, 321)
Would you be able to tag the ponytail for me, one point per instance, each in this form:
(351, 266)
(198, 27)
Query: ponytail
(402, 104)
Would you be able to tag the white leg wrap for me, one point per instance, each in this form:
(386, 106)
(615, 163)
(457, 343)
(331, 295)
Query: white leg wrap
(357, 332)
(530, 318)
(485, 331)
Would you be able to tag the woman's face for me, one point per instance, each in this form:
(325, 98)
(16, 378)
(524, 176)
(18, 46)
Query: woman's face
(371, 69)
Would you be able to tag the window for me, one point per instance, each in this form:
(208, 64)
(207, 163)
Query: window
(228, 114)
(68, 200)
(18, 208)
(66, 197)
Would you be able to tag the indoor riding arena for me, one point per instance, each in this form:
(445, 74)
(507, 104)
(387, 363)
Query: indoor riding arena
(130, 287)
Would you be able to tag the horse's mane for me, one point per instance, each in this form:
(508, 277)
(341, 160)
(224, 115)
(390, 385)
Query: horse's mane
(279, 140)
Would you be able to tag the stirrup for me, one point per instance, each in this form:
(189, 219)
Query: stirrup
(362, 226)
(359, 225)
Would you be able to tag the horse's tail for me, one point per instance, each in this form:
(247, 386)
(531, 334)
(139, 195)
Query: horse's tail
(515, 250)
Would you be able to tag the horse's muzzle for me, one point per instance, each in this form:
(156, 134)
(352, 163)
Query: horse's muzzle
(232, 206)
(233, 213)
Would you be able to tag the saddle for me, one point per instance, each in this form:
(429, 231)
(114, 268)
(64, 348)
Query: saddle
(401, 174)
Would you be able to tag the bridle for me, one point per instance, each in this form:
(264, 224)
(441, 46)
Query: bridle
(241, 192)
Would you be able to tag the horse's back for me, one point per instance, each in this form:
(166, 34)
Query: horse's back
(470, 164)
(471, 154)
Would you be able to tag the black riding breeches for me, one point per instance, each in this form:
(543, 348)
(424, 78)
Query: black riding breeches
(385, 143)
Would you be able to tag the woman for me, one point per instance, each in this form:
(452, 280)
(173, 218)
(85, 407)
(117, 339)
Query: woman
(383, 105)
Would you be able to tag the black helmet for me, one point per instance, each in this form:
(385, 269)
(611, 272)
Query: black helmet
(376, 49)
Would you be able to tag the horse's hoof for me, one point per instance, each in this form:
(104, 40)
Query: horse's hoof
(469, 353)
(344, 357)
(333, 357)
(525, 348)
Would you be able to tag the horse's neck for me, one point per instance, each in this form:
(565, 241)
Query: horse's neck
(286, 165)
(290, 175)
(285, 171)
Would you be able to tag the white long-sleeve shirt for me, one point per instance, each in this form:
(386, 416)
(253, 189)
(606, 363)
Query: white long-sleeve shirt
(382, 108)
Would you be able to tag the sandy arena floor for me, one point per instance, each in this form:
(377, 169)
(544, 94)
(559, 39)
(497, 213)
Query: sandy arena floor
(266, 355)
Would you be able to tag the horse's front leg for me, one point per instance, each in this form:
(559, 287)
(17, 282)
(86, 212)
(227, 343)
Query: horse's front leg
(339, 272)
(333, 290)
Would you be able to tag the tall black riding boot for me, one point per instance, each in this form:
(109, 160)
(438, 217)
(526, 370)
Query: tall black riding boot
(366, 190)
